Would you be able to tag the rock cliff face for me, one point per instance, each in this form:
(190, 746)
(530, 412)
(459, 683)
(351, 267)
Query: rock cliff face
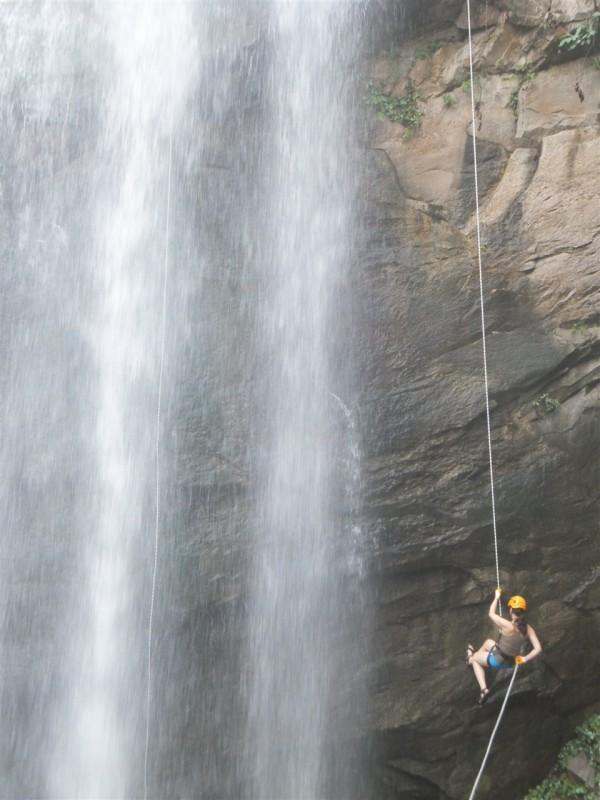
(427, 502)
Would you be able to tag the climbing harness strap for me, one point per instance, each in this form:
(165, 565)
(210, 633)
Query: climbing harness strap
(496, 726)
(157, 456)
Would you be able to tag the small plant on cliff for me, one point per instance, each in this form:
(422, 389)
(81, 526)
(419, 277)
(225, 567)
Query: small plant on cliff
(449, 100)
(426, 50)
(545, 404)
(584, 325)
(466, 84)
(584, 37)
(404, 109)
(526, 74)
(514, 101)
(581, 326)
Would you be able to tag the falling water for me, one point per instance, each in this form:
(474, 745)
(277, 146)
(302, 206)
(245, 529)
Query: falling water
(48, 117)
(90, 96)
(150, 59)
(247, 477)
(297, 592)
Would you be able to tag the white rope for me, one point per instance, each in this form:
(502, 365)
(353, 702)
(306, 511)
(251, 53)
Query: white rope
(157, 456)
(481, 300)
(496, 726)
(487, 395)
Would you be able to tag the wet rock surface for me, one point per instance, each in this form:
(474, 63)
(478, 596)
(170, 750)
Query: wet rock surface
(427, 494)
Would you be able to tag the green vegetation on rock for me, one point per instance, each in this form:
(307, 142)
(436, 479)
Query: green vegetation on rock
(560, 789)
(584, 37)
(404, 109)
(525, 74)
(560, 785)
(449, 100)
(588, 322)
(546, 404)
(514, 101)
(425, 51)
(586, 741)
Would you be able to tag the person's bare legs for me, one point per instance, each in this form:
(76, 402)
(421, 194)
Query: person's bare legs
(479, 661)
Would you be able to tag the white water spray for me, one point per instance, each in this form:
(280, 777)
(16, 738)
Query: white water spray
(145, 84)
(297, 588)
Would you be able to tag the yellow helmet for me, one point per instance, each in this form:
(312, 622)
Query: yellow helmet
(517, 602)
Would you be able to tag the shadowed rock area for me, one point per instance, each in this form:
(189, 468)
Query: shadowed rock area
(426, 464)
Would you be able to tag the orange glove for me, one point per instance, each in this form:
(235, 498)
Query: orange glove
(519, 660)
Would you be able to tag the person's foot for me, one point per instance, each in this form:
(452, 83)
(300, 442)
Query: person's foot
(483, 696)
(470, 653)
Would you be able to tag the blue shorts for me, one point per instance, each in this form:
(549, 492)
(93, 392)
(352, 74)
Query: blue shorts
(497, 664)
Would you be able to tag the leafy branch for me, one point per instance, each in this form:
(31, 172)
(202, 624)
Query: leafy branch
(584, 37)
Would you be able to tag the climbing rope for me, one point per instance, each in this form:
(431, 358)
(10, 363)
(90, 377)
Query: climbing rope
(492, 737)
(481, 300)
(487, 395)
(157, 455)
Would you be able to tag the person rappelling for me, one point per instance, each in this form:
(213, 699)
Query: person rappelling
(514, 637)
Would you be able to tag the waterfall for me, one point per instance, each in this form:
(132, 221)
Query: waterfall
(90, 94)
(149, 63)
(254, 457)
(298, 589)
(47, 108)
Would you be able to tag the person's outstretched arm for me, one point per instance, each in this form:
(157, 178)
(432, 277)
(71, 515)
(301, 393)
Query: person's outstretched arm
(496, 618)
